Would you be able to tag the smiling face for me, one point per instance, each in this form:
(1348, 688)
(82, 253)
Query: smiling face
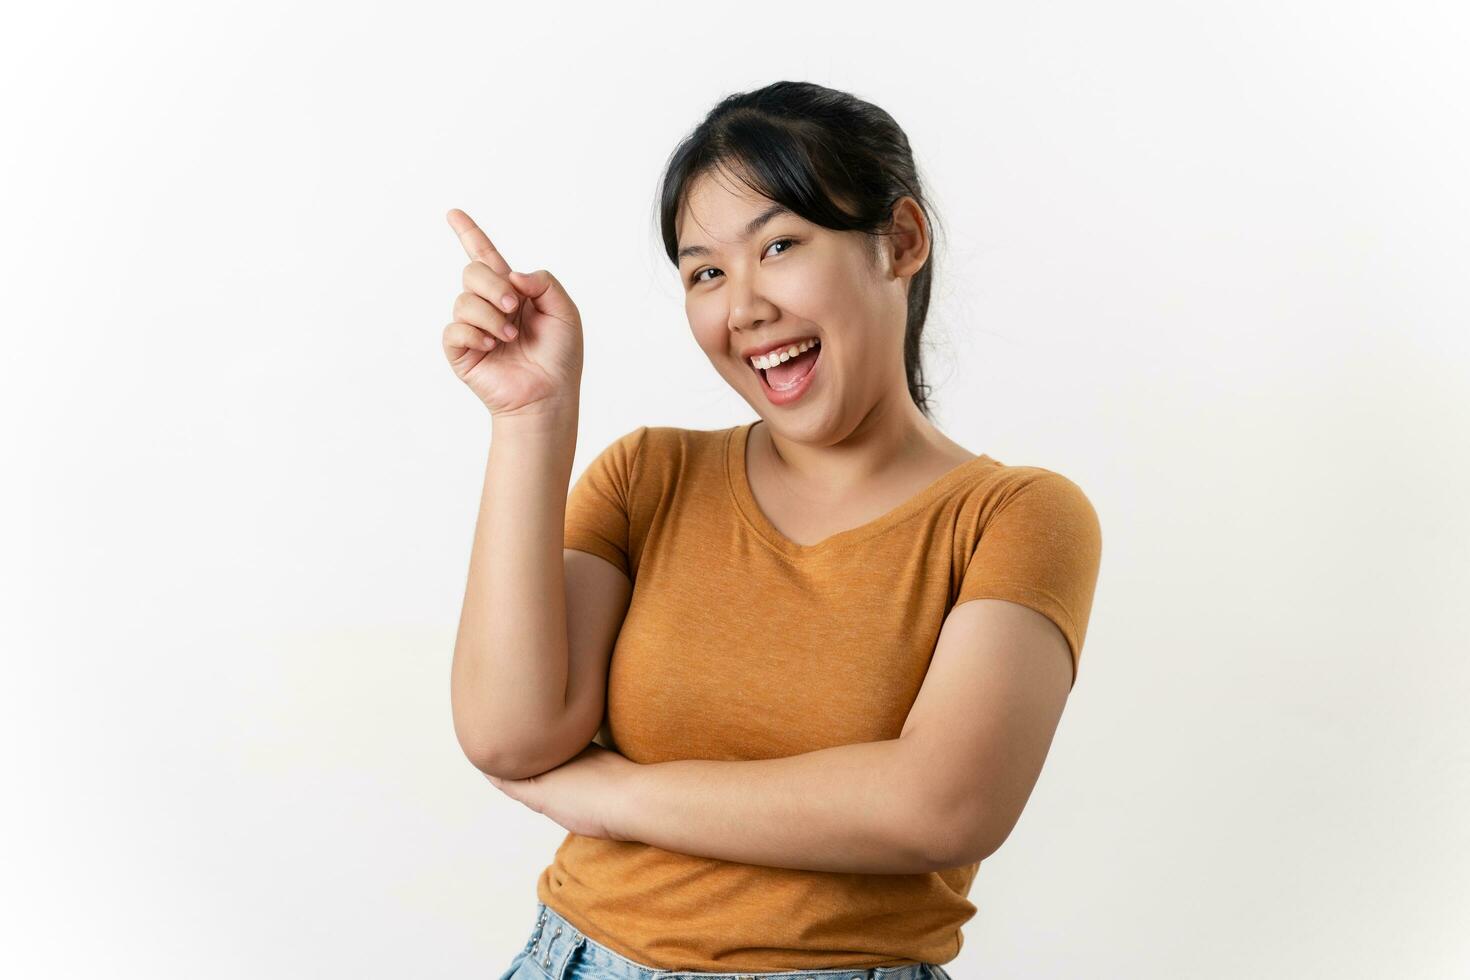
(755, 274)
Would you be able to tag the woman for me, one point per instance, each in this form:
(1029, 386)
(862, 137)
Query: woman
(843, 641)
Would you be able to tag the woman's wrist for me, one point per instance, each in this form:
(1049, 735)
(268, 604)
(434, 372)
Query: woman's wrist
(551, 415)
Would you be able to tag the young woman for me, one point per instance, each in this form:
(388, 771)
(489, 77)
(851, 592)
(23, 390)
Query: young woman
(842, 641)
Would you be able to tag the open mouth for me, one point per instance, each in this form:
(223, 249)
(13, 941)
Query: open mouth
(790, 372)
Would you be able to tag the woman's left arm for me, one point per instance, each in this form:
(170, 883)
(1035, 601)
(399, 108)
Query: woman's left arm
(852, 808)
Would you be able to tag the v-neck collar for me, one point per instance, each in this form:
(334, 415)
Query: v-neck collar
(739, 481)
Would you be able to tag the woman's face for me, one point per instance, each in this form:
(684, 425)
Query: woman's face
(790, 280)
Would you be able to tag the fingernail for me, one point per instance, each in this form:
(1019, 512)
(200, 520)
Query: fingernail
(510, 331)
(507, 303)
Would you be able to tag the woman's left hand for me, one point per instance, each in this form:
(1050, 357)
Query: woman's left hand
(585, 794)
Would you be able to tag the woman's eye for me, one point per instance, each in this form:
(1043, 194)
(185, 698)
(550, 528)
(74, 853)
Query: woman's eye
(780, 241)
(788, 241)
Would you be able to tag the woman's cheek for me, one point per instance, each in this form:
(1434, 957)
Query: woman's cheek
(709, 331)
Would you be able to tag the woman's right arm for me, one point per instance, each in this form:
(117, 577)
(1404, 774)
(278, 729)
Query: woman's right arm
(529, 678)
(508, 685)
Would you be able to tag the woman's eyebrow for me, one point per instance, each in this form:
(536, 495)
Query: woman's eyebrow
(753, 226)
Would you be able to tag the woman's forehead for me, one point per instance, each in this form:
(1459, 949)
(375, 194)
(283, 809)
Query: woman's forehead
(712, 202)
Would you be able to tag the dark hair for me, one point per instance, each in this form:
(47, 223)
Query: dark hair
(830, 157)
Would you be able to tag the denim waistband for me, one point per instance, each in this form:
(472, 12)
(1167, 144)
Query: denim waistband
(555, 944)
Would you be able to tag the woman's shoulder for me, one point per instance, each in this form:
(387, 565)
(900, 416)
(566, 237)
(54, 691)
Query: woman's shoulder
(998, 475)
(1023, 489)
(672, 441)
(664, 453)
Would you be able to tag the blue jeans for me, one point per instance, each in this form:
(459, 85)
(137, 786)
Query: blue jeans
(557, 950)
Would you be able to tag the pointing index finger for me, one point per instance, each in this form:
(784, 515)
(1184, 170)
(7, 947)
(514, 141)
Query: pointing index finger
(477, 244)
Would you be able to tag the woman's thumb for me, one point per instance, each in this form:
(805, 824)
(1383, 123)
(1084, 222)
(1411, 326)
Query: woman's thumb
(547, 291)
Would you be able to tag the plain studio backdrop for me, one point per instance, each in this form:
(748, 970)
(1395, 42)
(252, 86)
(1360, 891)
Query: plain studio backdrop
(1207, 260)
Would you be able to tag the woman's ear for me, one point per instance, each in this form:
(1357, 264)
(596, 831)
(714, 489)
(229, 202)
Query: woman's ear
(907, 241)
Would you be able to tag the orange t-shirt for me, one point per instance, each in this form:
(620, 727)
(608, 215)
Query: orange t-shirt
(706, 666)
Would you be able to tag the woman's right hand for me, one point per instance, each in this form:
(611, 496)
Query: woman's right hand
(518, 362)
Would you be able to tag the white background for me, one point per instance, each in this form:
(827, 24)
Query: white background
(1207, 260)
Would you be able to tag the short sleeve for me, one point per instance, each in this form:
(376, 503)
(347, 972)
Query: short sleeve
(599, 503)
(1042, 548)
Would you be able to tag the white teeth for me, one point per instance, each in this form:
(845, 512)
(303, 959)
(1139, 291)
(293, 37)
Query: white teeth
(783, 354)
